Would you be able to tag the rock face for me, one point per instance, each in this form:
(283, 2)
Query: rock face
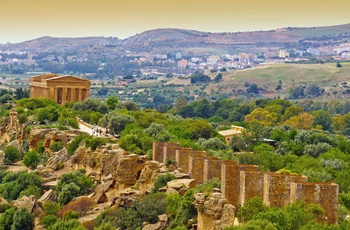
(148, 176)
(110, 161)
(51, 135)
(58, 159)
(214, 212)
(128, 170)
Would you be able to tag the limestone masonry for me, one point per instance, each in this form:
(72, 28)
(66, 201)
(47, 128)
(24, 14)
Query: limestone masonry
(242, 182)
(59, 88)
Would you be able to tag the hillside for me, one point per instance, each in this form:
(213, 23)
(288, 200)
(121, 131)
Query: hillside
(267, 77)
(168, 38)
(50, 44)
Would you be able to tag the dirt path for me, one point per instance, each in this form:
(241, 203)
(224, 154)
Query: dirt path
(17, 167)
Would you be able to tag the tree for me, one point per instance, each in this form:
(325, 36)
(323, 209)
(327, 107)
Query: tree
(12, 154)
(253, 89)
(291, 112)
(314, 90)
(180, 102)
(23, 220)
(262, 116)
(339, 65)
(296, 92)
(31, 159)
(303, 121)
(117, 123)
(68, 192)
(218, 78)
(322, 118)
(112, 102)
(93, 104)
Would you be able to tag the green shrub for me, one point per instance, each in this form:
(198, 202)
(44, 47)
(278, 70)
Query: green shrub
(74, 144)
(161, 181)
(4, 207)
(68, 192)
(67, 225)
(31, 190)
(56, 146)
(49, 220)
(94, 142)
(23, 220)
(31, 159)
(13, 184)
(51, 208)
(41, 148)
(6, 219)
(72, 185)
(12, 154)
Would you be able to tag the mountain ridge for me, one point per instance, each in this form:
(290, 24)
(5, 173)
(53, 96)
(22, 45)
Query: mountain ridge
(165, 38)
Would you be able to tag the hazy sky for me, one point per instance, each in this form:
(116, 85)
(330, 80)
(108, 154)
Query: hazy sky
(22, 20)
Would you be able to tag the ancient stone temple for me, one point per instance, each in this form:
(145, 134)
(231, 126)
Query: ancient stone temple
(59, 88)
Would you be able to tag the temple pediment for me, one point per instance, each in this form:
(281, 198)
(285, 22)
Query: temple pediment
(66, 79)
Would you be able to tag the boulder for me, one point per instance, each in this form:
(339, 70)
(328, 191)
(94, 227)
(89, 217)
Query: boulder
(95, 176)
(214, 212)
(3, 201)
(25, 202)
(16, 144)
(47, 174)
(50, 195)
(100, 191)
(57, 159)
(160, 225)
(180, 185)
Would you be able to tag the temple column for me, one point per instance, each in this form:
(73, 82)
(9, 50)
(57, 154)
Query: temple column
(80, 94)
(55, 92)
(64, 95)
(72, 98)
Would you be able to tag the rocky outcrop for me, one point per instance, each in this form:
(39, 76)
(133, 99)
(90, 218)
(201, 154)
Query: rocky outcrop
(214, 212)
(25, 202)
(57, 160)
(51, 135)
(128, 170)
(46, 173)
(50, 195)
(101, 192)
(102, 161)
(148, 176)
(160, 225)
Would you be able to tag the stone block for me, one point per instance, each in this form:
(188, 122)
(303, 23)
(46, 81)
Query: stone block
(324, 194)
(182, 158)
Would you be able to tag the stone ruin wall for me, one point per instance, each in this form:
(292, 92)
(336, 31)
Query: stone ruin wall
(242, 182)
(125, 169)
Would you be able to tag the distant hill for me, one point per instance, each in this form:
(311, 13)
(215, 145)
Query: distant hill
(165, 39)
(50, 44)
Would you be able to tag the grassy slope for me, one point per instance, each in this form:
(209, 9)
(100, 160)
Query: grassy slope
(322, 31)
(268, 76)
